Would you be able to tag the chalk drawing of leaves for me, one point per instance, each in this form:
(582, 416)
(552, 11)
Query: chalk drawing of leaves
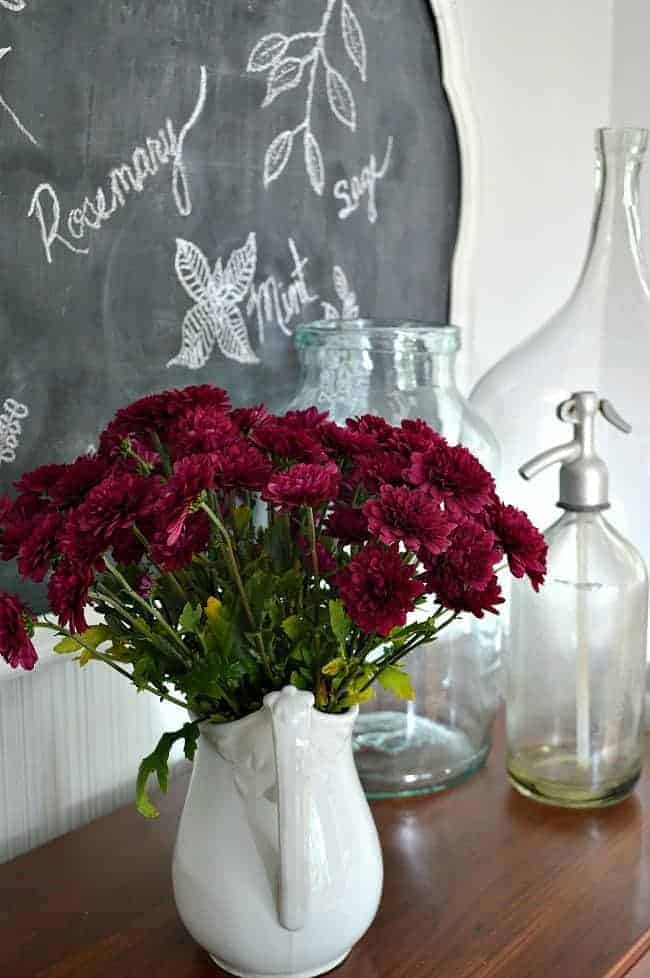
(277, 156)
(285, 72)
(14, 5)
(354, 40)
(215, 319)
(330, 311)
(348, 298)
(285, 75)
(267, 52)
(341, 100)
(314, 163)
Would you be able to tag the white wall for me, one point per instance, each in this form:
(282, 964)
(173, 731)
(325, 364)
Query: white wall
(540, 75)
(71, 740)
(630, 94)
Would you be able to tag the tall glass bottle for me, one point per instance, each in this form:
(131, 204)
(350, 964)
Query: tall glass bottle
(577, 653)
(407, 370)
(599, 340)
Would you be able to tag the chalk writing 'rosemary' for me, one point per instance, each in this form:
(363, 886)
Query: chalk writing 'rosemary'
(159, 151)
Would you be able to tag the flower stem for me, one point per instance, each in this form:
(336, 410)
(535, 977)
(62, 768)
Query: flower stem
(311, 528)
(109, 662)
(231, 560)
(149, 608)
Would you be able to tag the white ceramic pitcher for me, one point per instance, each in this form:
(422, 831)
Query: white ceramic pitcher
(277, 868)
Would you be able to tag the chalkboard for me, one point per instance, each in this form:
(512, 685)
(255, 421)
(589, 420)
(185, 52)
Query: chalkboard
(182, 182)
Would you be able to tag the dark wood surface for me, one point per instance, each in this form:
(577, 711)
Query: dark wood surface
(480, 883)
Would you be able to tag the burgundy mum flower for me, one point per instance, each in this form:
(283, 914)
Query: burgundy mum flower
(409, 516)
(304, 485)
(41, 481)
(40, 546)
(466, 566)
(523, 544)
(193, 538)
(77, 479)
(453, 475)
(67, 592)
(347, 524)
(190, 477)
(156, 412)
(200, 429)
(344, 441)
(378, 589)
(416, 436)
(112, 506)
(307, 420)
(374, 426)
(288, 443)
(241, 465)
(16, 630)
(374, 470)
(476, 601)
(248, 419)
(144, 586)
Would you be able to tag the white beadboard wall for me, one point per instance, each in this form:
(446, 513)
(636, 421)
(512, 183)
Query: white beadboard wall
(70, 743)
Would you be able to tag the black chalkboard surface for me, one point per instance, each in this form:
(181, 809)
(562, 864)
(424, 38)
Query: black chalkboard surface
(182, 182)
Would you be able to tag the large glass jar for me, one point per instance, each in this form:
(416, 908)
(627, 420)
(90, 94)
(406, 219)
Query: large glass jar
(599, 340)
(407, 370)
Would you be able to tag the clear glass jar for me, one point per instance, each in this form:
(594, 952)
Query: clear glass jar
(407, 370)
(574, 699)
(599, 340)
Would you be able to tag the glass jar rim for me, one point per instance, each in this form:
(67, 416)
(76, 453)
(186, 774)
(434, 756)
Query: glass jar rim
(380, 332)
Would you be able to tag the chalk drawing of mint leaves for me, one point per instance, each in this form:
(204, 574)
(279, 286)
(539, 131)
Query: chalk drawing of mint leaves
(349, 305)
(286, 71)
(10, 112)
(216, 318)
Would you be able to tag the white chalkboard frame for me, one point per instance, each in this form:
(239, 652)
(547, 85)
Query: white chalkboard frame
(456, 81)
(457, 86)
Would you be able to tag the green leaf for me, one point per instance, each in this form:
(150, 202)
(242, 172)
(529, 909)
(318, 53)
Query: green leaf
(241, 518)
(333, 667)
(397, 682)
(341, 624)
(293, 627)
(190, 618)
(92, 637)
(158, 763)
(353, 699)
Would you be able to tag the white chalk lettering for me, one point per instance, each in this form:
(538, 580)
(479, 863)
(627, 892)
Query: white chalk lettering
(276, 303)
(352, 191)
(123, 180)
(13, 412)
(10, 112)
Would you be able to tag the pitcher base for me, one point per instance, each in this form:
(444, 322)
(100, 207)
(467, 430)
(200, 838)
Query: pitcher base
(309, 973)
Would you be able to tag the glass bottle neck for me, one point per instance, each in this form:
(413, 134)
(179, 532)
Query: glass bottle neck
(615, 245)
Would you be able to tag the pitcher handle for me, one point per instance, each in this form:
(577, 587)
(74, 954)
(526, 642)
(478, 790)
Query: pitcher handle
(291, 712)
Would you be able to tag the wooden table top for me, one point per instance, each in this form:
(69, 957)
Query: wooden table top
(480, 883)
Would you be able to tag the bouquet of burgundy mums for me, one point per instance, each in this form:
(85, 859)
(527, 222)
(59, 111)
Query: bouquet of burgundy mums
(230, 552)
